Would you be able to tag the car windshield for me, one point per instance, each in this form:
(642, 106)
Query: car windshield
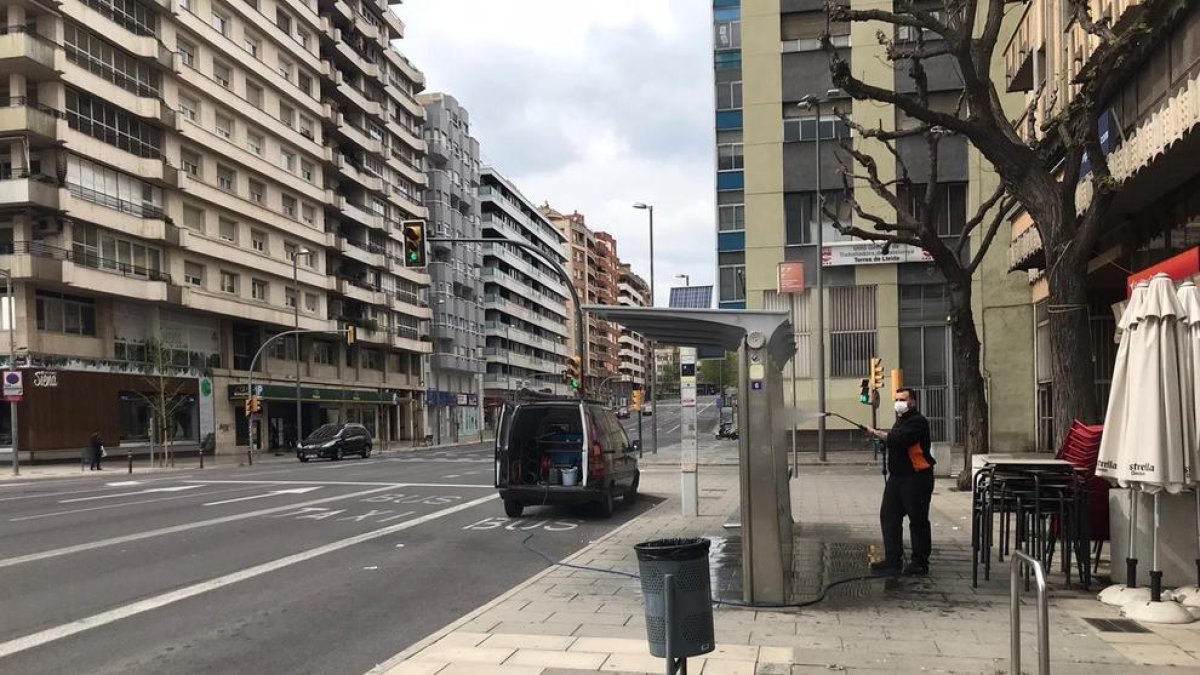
(325, 433)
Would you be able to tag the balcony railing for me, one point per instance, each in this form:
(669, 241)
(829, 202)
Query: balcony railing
(85, 259)
(139, 209)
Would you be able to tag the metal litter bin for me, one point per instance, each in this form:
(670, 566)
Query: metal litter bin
(678, 597)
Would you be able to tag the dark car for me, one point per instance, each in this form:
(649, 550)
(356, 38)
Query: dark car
(623, 413)
(335, 441)
(563, 451)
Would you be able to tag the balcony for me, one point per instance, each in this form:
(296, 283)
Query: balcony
(363, 252)
(1019, 54)
(555, 325)
(522, 288)
(25, 52)
(361, 291)
(85, 271)
(19, 117)
(1026, 252)
(358, 136)
(357, 213)
(30, 190)
(360, 100)
(350, 169)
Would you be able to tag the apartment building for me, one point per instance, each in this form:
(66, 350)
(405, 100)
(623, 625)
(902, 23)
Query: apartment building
(454, 405)
(1151, 145)
(594, 269)
(766, 60)
(184, 181)
(633, 291)
(524, 299)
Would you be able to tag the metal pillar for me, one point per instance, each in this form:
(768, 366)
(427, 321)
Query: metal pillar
(688, 456)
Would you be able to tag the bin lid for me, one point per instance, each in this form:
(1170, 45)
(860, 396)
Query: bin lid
(672, 550)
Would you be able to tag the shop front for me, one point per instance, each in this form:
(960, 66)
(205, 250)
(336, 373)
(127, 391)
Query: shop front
(387, 414)
(453, 416)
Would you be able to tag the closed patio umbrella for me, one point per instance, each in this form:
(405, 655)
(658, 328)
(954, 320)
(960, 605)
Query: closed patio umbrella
(1161, 423)
(1189, 297)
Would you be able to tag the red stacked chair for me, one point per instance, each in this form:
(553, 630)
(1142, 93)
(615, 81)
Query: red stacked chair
(1081, 448)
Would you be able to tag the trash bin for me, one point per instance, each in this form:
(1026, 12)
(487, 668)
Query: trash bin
(691, 622)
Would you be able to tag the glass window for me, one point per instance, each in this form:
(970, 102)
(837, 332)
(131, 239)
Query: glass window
(110, 62)
(193, 274)
(322, 352)
(226, 178)
(189, 108)
(285, 69)
(255, 142)
(729, 95)
(311, 305)
(257, 192)
(727, 60)
(223, 74)
(852, 330)
(729, 157)
(187, 53)
(733, 282)
(60, 313)
(99, 119)
(307, 170)
(108, 187)
(287, 160)
(134, 414)
(287, 114)
(731, 217)
(193, 217)
(806, 129)
(224, 127)
(258, 240)
(220, 23)
(259, 289)
(133, 15)
(308, 214)
(289, 297)
(949, 204)
(254, 95)
(228, 230)
(288, 203)
(800, 217)
(252, 44)
(191, 162)
(229, 282)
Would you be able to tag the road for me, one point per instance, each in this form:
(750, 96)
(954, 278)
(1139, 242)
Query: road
(669, 423)
(323, 567)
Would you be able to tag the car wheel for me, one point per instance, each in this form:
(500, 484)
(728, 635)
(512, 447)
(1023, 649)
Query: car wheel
(366, 451)
(513, 509)
(337, 454)
(608, 504)
(632, 495)
(303, 458)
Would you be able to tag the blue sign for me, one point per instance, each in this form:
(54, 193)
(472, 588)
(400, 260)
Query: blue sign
(756, 385)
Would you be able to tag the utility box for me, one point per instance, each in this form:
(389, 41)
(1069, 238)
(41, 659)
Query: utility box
(680, 626)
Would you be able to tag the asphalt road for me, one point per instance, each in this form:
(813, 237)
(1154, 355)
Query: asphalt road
(325, 568)
(668, 417)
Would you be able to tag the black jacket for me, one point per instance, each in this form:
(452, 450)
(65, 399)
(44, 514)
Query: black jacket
(908, 445)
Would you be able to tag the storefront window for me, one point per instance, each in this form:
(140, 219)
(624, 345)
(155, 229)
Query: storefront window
(134, 417)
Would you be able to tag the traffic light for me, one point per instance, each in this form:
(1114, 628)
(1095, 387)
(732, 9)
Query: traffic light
(573, 371)
(637, 399)
(876, 373)
(253, 406)
(864, 391)
(351, 334)
(414, 243)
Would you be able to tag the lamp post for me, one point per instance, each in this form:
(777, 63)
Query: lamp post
(296, 321)
(649, 208)
(811, 102)
(12, 365)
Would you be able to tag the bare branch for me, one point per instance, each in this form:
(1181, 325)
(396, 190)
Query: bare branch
(980, 214)
(1082, 13)
(988, 236)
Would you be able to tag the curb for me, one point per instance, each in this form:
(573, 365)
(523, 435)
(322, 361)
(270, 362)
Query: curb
(475, 613)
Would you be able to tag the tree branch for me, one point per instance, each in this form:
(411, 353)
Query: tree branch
(980, 214)
(988, 236)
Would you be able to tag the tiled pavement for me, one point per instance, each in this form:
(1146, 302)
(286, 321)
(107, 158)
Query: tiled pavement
(569, 621)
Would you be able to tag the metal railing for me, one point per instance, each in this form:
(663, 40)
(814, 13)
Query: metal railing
(1018, 560)
(85, 259)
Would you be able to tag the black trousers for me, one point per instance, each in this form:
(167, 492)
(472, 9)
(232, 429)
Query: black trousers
(95, 457)
(907, 496)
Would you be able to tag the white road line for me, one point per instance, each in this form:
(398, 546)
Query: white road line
(50, 495)
(293, 482)
(173, 488)
(273, 493)
(119, 506)
(124, 539)
(103, 618)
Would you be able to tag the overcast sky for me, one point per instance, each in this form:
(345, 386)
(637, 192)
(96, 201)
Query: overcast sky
(591, 106)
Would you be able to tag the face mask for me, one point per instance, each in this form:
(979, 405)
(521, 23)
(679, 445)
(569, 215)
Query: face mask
(901, 407)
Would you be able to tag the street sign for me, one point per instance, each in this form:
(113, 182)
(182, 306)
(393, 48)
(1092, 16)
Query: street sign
(14, 385)
(791, 277)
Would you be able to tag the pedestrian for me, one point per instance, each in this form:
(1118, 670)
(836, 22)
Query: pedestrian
(96, 451)
(908, 490)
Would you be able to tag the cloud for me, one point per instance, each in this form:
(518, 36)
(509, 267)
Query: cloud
(590, 106)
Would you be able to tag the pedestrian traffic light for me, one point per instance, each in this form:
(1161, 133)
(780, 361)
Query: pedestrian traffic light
(573, 372)
(864, 391)
(253, 406)
(351, 334)
(637, 399)
(414, 243)
(876, 372)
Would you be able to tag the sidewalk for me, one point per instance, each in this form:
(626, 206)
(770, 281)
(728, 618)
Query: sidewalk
(117, 462)
(565, 621)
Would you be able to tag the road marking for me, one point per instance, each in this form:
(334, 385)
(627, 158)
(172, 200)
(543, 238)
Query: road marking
(175, 488)
(103, 618)
(124, 539)
(273, 493)
(124, 483)
(331, 482)
(119, 506)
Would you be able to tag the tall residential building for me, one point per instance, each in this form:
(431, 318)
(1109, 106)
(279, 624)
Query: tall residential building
(767, 58)
(1149, 135)
(169, 167)
(633, 292)
(525, 300)
(594, 269)
(453, 400)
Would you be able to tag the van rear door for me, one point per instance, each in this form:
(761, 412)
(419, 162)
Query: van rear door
(503, 422)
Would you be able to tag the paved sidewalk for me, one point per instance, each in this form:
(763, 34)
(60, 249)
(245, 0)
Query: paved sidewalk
(568, 621)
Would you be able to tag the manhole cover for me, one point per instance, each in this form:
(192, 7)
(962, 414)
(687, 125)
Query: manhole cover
(1116, 625)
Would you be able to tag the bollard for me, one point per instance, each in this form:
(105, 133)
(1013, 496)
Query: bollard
(129, 460)
(201, 458)
(249, 457)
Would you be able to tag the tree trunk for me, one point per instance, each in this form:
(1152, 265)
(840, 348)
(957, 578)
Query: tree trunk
(1072, 368)
(968, 376)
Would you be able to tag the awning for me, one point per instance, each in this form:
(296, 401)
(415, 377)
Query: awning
(723, 328)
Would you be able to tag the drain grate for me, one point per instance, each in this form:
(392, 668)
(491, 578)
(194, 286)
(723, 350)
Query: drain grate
(1117, 625)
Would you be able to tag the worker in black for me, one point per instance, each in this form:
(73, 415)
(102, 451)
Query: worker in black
(908, 490)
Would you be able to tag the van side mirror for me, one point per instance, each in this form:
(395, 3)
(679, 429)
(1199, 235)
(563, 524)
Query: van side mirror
(636, 446)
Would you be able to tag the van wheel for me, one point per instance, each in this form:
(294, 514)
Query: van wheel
(608, 504)
(632, 495)
(513, 509)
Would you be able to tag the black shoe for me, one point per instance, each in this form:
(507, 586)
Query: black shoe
(886, 567)
(916, 570)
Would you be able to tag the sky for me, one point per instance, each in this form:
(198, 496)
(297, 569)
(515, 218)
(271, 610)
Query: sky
(592, 106)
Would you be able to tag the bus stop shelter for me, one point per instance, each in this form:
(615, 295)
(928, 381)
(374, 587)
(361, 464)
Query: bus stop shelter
(764, 342)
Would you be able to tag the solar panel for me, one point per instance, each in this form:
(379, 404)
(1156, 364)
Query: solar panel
(691, 297)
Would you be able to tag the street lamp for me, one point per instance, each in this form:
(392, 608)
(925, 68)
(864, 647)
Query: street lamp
(687, 280)
(811, 102)
(11, 310)
(649, 208)
(296, 320)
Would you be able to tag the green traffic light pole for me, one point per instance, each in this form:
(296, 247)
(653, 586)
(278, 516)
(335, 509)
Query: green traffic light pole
(580, 343)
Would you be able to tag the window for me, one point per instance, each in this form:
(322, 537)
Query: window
(193, 274)
(949, 205)
(731, 217)
(259, 289)
(258, 240)
(287, 160)
(305, 82)
(289, 297)
(252, 44)
(103, 249)
(287, 114)
(59, 313)
(105, 122)
(224, 127)
(254, 95)
(227, 230)
(322, 352)
(285, 69)
(258, 192)
(851, 330)
(138, 17)
(191, 162)
(306, 128)
(108, 187)
(308, 214)
(370, 359)
(307, 170)
(800, 217)
(220, 23)
(806, 128)
(729, 157)
(229, 282)
(729, 95)
(188, 107)
(283, 21)
(727, 60)
(226, 178)
(109, 61)
(732, 271)
(193, 217)
(310, 305)
(187, 53)
(304, 38)
(255, 142)
(289, 206)
(727, 35)
(222, 74)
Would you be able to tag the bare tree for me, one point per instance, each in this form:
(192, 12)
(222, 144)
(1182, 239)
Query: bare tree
(164, 395)
(966, 33)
